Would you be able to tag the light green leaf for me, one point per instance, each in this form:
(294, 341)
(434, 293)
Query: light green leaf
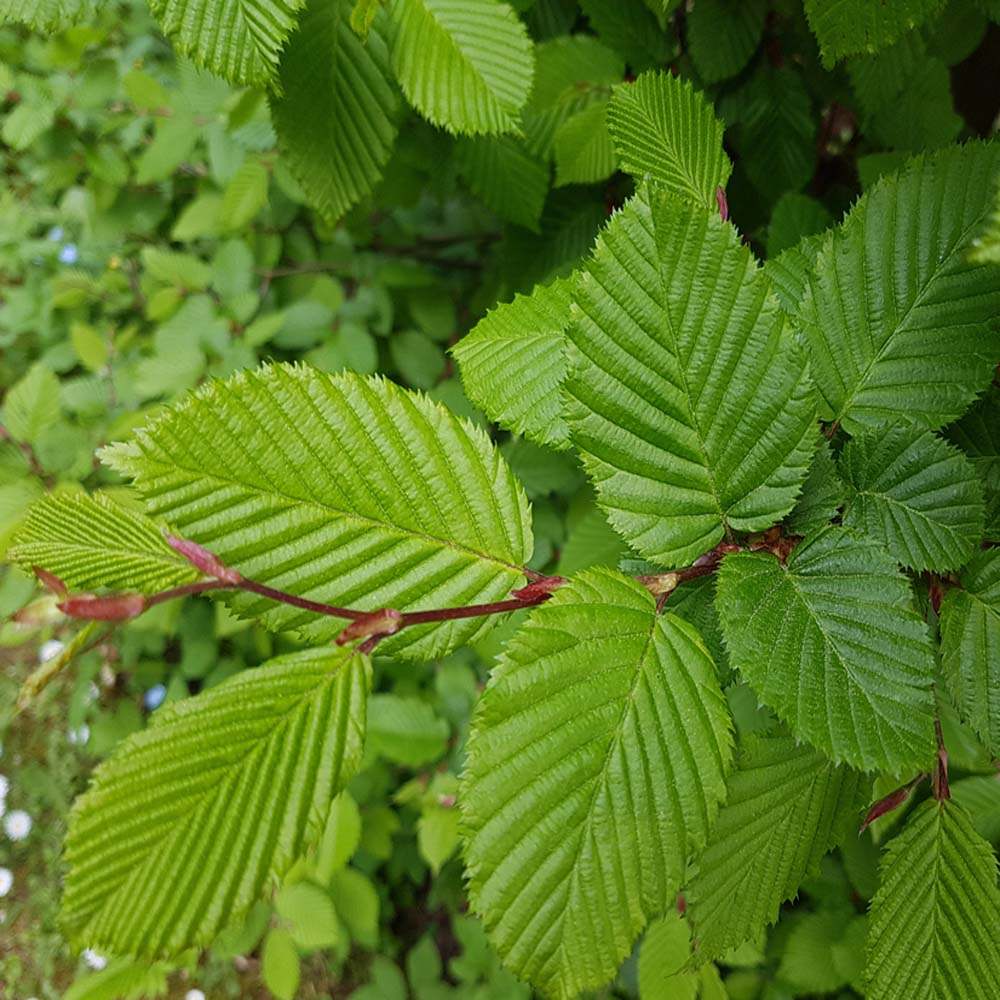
(508, 178)
(807, 963)
(181, 269)
(513, 363)
(340, 836)
(892, 285)
(233, 786)
(985, 248)
(122, 979)
(595, 765)
(48, 15)
(357, 905)
(405, 730)
(437, 834)
(667, 131)
(336, 114)
(832, 643)
(915, 493)
(240, 40)
(31, 405)
(934, 930)
(344, 489)
(245, 195)
(970, 645)
(279, 966)
(722, 36)
(852, 26)
(307, 913)
(91, 542)
(979, 796)
(786, 806)
(693, 412)
(584, 153)
(665, 950)
(465, 65)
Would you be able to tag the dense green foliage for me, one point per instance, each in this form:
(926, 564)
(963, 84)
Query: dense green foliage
(592, 698)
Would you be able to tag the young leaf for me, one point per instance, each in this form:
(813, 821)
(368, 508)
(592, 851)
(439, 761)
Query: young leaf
(90, 542)
(915, 493)
(513, 363)
(336, 114)
(693, 413)
(663, 955)
(233, 784)
(832, 643)
(583, 150)
(935, 921)
(723, 36)
(343, 489)
(667, 131)
(822, 495)
(786, 806)
(595, 765)
(31, 405)
(464, 65)
(970, 645)
(48, 15)
(240, 40)
(245, 195)
(892, 285)
(852, 26)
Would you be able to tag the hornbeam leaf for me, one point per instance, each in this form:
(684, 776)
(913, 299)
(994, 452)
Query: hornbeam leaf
(915, 493)
(934, 930)
(513, 363)
(892, 285)
(849, 27)
(341, 489)
(90, 542)
(336, 115)
(970, 645)
(240, 40)
(188, 822)
(978, 435)
(667, 131)
(688, 397)
(832, 643)
(596, 762)
(786, 806)
(465, 65)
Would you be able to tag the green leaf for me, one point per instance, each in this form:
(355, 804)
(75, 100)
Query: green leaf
(48, 15)
(595, 765)
(722, 36)
(970, 645)
(923, 115)
(336, 114)
(915, 493)
(832, 643)
(795, 217)
(892, 285)
(667, 131)
(31, 405)
(345, 489)
(665, 951)
(506, 176)
(122, 979)
(822, 495)
(513, 363)
(584, 153)
(405, 730)
(790, 270)
(233, 786)
(808, 963)
(90, 542)
(240, 40)
(979, 796)
(786, 806)
(309, 916)
(934, 930)
(181, 269)
(437, 834)
(357, 905)
(852, 26)
(279, 967)
(978, 435)
(465, 65)
(985, 248)
(245, 195)
(340, 836)
(693, 412)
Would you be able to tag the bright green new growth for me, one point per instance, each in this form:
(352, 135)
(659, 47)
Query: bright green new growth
(595, 767)
(666, 131)
(239, 778)
(341, 489)
(689, 400)
(832, 643)
(91, 542)
(935, 921)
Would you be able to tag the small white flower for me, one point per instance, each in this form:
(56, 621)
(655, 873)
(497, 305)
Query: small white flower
(49, 650)
(95, 961)
(194, 995)
(79, 736)
(4, 786)
(17, 824)
(6, 881)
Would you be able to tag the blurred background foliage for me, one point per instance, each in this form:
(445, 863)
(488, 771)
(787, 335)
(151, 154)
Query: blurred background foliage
(152, 236)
